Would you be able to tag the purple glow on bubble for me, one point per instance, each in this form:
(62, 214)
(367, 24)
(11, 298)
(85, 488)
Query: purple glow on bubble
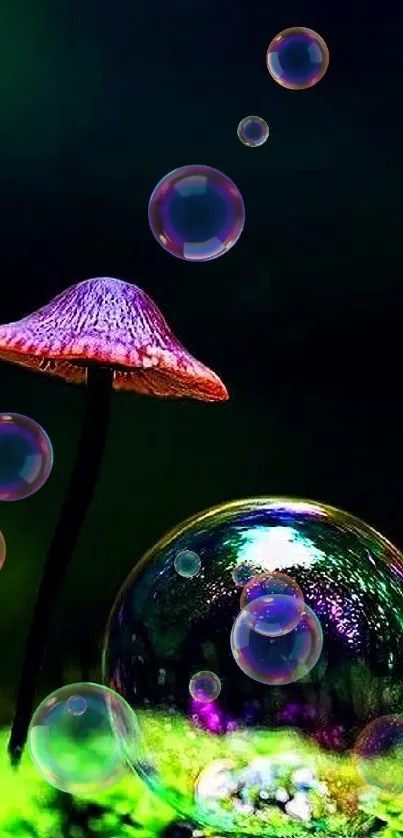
(196, 213)
(277, 660)
(297, 58)
(26, 457)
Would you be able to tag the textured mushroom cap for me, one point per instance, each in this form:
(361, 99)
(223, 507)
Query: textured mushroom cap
(110, 323)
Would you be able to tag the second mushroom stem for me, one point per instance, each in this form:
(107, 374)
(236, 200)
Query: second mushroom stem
(71, 519)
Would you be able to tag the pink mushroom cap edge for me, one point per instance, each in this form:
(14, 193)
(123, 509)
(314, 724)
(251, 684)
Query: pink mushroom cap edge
(110, 323)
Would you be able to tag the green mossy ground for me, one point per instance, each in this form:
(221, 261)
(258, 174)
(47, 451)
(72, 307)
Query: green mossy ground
(30, 808)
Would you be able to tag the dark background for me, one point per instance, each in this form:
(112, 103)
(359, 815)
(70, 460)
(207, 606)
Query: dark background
(302, 319)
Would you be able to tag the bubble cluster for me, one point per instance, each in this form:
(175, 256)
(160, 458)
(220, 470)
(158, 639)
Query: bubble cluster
(81, 738)
(379, 753)
(26, 457)
(322, 679)
(274, 615)
(297, 58)
(2, 550)
(275, 658)
(187, 563)
(274, 583)
(253, 131)
(205, 686)
(196, 213)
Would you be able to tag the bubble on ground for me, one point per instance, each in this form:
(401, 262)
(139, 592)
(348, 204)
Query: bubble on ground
(351, 578)
(83, 737)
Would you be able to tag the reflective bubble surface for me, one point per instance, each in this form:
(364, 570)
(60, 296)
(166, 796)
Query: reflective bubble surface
(297, 58)
(196, 213)
(253, 131)
(2, 550)
(379, 751)
(271, 583)
(270, 756)
(242, 574)
(26, 456)
(187, 563)
(205, 686)
(269, 651)
(83, 737)
(273, 615)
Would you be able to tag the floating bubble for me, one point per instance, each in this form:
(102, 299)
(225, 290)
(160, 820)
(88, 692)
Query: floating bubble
(2, 550)
(205, 686)
(253, 131)
(297, 58)
(279, 660)
(196, 213)
(274, 615)
(350, 577)
(26, 457)
(187, 563)
(271, 583)
(81, 737)
(379, 753)
(242, 574)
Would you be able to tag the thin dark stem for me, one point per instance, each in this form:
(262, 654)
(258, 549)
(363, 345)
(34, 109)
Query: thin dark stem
(71, 518)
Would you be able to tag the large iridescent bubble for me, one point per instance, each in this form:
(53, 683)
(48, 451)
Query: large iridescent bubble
(196, 213)
(268, 650)
(273, 754)
(297, 58)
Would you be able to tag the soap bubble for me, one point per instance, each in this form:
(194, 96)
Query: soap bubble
(351, 579)
(26, 457)
(271, 583)
(253, 131)
(275, 660)
(2, 550)
(379, 752)
(242, 574)
(273, 615)
(187, 563)
(76, 705)
(196, 213)
(205, 686)
(297, 58)
(82, 738)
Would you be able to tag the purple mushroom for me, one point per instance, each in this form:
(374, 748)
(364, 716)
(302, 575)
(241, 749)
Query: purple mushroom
(107, 334)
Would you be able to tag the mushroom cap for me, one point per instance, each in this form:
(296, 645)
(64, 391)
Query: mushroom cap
(110, 323)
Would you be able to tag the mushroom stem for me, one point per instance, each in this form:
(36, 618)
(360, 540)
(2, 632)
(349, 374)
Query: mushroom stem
(71, 518)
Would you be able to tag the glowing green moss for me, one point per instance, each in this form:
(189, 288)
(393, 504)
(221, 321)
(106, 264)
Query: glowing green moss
(30, 808)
